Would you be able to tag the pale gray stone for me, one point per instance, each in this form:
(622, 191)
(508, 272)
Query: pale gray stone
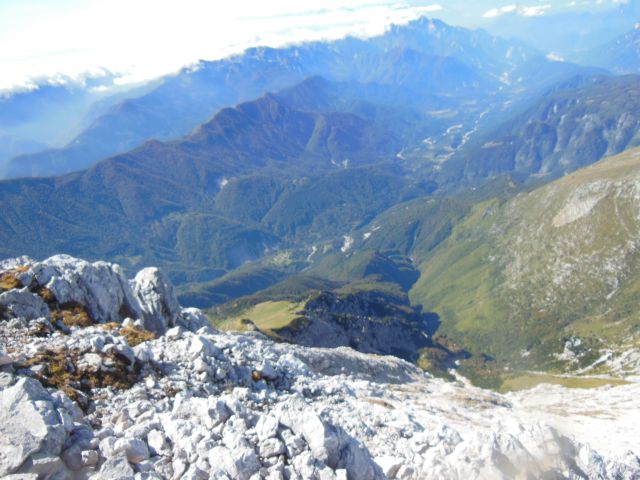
(157, 442)
(271, 447)
(29, 423)
(5, 359)
(24, 304)
(134, 449)
(99, 286)
(116, 467)
(157, 300)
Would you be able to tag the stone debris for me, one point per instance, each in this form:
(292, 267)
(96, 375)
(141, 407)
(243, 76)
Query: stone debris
(195, 403)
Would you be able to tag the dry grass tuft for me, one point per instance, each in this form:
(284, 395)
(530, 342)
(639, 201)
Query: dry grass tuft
(9, 281)
(382, 403)
(60, 370)
(170, 391)
(136, 336)
(110, 327)
(46, 295)
(72, 315)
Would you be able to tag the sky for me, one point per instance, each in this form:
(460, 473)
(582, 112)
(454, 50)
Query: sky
(138, 40)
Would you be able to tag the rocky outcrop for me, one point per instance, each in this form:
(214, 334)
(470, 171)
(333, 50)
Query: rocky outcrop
(157, 300)
(100, 288)
(369, 322)
(108, 401)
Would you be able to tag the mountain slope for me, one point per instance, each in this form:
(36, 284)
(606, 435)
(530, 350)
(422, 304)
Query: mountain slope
(160, 199)
(570, 127)
(621, 55)
(520, 279)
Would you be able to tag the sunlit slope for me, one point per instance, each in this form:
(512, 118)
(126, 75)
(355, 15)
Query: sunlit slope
(520, 279)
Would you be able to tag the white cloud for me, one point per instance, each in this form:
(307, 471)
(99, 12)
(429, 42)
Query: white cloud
(517, 9)
(143, 39)
(554, 57)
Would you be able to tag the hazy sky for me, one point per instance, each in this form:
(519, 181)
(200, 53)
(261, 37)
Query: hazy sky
(142, 39)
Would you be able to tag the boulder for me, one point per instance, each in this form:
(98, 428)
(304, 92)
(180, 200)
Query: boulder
(389, 465)
(267, 427)
(46, 466)
(157, 442)
(241, 463)
(271, 447)
(157, 300)
(24, 304)
(320, 436)
(116, 467)
(193, 320)
(134, 449)
(29, 423)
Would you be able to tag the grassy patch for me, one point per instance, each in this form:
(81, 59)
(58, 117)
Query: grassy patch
(266, 316)
(136, 336)
(46, 294)
(72, 314)
(530, 380)
(59, 369)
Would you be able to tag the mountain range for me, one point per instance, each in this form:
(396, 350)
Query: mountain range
(430, 62)
(379, 175)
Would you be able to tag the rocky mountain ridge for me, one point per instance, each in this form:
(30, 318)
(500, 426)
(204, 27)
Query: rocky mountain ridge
(106, 399)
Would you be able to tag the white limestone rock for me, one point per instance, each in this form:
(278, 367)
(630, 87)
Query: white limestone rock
(100, 286)
(29, 424)
(134, 449)
(157, 300)
(193, 319)
(267, 427)
(21, 303)
(47, 466)
(271, 447)
(115, 467)
(302, 420)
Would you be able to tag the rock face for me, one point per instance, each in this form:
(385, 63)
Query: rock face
(158, 301)
(100, 287)
(366, 321)
(32, 427)
(195, 403)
